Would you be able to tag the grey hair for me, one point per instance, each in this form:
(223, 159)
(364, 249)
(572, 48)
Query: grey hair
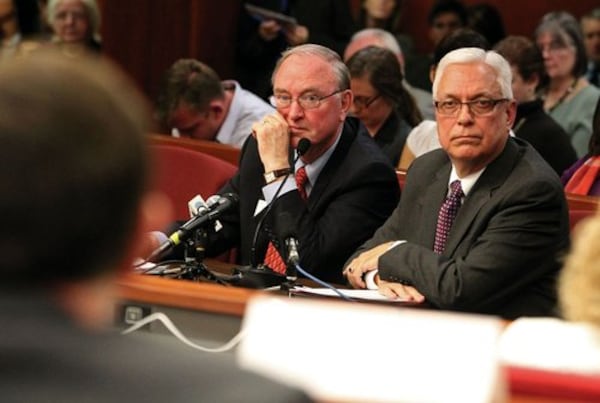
(385, 39)
(473, 55)
(92, 11)
(332, 58)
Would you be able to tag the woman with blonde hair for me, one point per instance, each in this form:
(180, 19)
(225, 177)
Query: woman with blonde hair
(579, 285)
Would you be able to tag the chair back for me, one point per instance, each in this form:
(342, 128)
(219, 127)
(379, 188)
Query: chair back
(183, 173)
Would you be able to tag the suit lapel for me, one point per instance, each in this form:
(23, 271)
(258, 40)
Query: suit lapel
(333, 165)
(492, 178)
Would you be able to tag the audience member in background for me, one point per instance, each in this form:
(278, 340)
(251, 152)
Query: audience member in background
(351, 187)
(487, 20)
(19, 23)
(73, 137)
(387, 111)
(590, 26)
(383, 39)
(532, 123)
(385, 15)
(481, 222)
(424, 137)
(260, 40)
(584, 176)
(76, 25)
(194, 102)
(444, 17)
(579, 285)
(568, 96)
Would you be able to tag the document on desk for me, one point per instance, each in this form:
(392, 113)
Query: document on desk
(366, 295)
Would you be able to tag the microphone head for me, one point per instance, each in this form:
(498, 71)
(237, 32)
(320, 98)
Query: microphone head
(303, 146)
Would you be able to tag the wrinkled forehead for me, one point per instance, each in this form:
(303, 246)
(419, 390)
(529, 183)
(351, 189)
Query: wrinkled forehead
(303, 72)
(468, 80)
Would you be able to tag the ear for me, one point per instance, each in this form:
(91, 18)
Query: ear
(533, 81)
(346, 99)
(511, 113)
(216, 109)
(431, 74)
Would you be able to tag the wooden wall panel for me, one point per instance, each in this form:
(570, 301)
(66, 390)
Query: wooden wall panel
(146, 36)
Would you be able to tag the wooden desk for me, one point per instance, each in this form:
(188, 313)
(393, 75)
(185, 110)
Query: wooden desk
(209, 313)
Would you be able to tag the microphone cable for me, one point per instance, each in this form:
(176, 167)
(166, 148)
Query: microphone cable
(303, 146)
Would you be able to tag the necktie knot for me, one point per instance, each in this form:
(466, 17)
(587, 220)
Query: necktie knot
(456, 190)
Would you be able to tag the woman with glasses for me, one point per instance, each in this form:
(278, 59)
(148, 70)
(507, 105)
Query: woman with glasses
(532, 122)
(568, 97)
(387, 111)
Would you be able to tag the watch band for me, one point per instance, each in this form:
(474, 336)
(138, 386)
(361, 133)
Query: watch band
(273, 175)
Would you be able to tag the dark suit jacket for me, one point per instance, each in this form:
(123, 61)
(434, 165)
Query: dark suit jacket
(503, 251)
(46, 358)
(354, 194)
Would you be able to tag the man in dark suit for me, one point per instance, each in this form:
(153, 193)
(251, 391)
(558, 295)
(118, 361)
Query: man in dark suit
(74, 207)
(501, 254)
(351, 187)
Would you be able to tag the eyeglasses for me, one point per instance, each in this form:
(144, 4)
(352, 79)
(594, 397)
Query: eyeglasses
(553, 47)
(306, 101)
(478, 107)
(363, 102)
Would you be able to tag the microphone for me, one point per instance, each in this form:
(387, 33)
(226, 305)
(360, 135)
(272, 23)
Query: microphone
(256, 276)
(303, 146)
(215, 206)
(287, 232)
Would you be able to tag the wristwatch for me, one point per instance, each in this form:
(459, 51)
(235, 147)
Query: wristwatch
(273, 175)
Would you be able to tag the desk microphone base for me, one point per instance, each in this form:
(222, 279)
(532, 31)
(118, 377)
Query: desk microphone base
(256, 277)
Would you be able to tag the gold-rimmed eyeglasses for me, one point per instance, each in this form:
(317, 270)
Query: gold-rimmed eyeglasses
(306, 101)
(478, 107)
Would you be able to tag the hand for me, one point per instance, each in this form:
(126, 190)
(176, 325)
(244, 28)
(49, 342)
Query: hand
(363, 263)
(268, 30)
(397, 290)
(296, 35)
(273, 136)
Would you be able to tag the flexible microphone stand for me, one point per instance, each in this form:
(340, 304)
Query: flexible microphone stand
(261, 276)
(194, 268)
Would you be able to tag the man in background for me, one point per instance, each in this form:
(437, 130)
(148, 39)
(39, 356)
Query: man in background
(590, 26)
(195, 103)
(75, 204)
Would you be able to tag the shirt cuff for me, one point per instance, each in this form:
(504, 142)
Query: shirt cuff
(370, 279)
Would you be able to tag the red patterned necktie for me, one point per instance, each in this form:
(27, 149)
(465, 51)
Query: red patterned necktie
(272, 258)
(446, 216)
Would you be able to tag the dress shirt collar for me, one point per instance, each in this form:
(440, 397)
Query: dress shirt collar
(225, 134)
(467, 182)
(314, 168)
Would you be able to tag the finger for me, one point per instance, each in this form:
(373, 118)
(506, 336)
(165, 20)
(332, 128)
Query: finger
(414, 294)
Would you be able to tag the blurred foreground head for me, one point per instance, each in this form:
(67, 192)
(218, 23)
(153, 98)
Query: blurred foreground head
(73, 172)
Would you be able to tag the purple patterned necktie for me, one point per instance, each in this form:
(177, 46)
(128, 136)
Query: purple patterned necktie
(446, 216)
